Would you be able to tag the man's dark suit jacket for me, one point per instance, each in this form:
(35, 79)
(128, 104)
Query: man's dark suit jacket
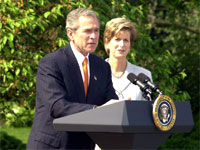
(60, 92)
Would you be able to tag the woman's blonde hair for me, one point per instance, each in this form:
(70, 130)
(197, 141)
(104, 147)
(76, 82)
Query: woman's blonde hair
(115, 26)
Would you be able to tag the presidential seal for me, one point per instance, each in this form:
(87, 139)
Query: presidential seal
(164, 113)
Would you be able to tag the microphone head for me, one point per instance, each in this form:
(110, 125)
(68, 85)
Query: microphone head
(132, 77)
(143, 78)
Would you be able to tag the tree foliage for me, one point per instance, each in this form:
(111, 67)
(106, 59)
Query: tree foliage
(167, 44)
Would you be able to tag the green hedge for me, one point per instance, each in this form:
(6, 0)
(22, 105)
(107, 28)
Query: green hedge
(8, 142)
(167, 44)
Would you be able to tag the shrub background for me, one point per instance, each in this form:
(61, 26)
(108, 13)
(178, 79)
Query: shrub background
(167, 44)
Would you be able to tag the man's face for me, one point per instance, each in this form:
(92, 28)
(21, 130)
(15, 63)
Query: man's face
(86, 37)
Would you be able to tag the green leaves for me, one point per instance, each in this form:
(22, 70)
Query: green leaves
(167, 44)
(28, 30)
(46, 14)
(31, 29)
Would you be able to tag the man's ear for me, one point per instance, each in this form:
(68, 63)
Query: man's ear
(70, 33)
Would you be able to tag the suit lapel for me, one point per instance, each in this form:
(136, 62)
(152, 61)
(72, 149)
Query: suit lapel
(93, 84)
(74, 75)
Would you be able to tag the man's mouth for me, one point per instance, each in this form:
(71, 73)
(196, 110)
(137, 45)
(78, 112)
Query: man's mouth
(92, 43)
(121, 50)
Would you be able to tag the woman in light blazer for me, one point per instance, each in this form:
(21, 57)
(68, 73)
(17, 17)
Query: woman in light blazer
(119, 36)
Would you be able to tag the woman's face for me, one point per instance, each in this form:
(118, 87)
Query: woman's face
(119, 45)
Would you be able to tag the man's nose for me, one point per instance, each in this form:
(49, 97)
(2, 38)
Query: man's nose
(93, 34)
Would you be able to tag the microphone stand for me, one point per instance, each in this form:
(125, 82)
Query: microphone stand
(147, 96)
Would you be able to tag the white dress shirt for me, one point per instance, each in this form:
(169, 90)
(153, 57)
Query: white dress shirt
(80, 58)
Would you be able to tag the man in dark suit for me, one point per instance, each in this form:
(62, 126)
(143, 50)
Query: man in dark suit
(61, 88)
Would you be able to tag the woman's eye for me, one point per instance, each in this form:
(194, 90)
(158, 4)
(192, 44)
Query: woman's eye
(126, 40)
(87, 31)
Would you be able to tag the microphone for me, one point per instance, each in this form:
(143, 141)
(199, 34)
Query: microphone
(144, 87)
(155, 88)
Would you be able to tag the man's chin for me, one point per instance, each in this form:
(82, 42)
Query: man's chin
(91, 50)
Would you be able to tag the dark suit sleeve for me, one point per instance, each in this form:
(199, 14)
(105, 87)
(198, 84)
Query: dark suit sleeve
(52, 93)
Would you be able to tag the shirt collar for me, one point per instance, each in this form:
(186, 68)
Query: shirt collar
(79, 57)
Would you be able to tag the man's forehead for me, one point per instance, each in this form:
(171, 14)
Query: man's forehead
(85, 24)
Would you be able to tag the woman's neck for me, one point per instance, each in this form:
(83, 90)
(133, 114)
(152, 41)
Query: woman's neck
(118, 66)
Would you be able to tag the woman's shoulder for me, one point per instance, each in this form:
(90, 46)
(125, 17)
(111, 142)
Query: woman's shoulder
(138, 69)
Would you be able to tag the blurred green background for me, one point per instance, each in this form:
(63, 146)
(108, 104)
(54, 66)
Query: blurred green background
(167, 44)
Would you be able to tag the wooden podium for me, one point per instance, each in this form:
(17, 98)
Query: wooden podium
(125, 125)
